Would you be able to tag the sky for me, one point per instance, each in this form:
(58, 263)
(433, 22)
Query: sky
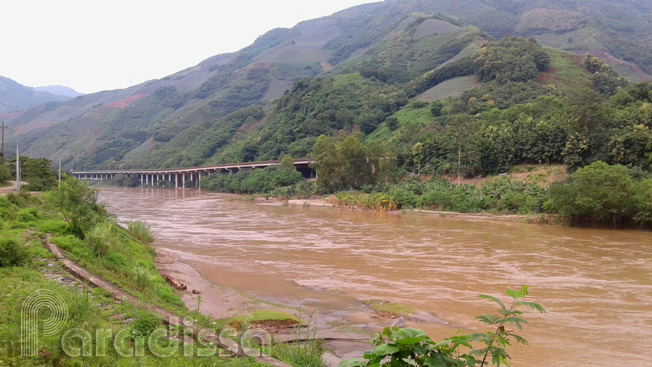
(94, 45)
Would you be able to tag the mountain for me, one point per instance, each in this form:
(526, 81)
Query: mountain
(215, 111)
(16, 97)
(59, 90)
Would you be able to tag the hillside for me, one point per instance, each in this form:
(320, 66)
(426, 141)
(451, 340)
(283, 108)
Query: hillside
(59, 90)
(16, 97)
(196, 116)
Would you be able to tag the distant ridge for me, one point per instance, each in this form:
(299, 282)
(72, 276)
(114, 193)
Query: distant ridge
(59, 90)
(17, 97)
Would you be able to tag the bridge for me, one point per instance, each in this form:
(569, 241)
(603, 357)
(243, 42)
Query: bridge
(188, 177)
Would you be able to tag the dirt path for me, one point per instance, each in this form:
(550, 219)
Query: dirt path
(168, 317)
(10, 189)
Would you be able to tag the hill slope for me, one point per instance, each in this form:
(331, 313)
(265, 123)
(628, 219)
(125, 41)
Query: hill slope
(16, 97)
(194, 116)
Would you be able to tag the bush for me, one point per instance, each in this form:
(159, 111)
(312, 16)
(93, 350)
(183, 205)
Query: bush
(12, 253)
(141, 231)
(598, 192)
(144, 323)
(101, 239)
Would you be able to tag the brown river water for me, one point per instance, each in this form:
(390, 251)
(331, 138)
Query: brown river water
(595, 284)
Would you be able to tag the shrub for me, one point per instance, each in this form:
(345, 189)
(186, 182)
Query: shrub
(144, 323)
(12, 253)
(598, 192)
(101, 239)
(141, 231)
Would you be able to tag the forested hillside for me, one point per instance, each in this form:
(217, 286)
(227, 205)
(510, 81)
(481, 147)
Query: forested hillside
(368, 71)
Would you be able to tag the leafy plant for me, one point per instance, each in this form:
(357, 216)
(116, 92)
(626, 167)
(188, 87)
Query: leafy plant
(409, 347)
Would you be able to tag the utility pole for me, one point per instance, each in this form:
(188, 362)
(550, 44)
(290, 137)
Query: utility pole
(59, 174)
(2, 151)
(17, 171)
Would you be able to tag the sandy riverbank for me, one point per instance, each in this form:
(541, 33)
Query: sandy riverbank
(342, 339)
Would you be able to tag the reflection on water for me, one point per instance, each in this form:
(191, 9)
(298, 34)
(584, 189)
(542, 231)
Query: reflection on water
(595, 284)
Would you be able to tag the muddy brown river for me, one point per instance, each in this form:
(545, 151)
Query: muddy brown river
(595, 284)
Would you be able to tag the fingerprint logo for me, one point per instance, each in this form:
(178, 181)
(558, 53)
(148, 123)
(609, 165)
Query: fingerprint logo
(44, 304)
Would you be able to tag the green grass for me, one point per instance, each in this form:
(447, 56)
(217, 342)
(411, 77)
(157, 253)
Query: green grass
(391, 309)
(26, 219)
(451, 88)
(566, 70)
(419, 116)
(261, 317)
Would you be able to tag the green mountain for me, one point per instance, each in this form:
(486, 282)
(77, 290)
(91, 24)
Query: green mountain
(369, 62)
(16, 97)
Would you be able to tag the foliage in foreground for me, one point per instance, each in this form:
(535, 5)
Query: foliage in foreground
(413, 348)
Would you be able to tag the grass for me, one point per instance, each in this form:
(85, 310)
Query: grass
(566, 71)
(417, 116)
(25, 220)
(275, 318)
(122, 261)
(388, 309)
(141, 231)
(450, 88)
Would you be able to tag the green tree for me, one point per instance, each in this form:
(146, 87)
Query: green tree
(78, 205)
(436, 108)
(595, 193)
(326, 163)
(5, 174)
(355, 169)
(286, 173)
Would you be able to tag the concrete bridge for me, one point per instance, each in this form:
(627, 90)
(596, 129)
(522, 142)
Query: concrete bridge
(188, 177)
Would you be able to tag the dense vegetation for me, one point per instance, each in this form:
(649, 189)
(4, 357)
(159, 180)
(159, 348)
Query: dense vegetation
(255, 181)
(37, 172)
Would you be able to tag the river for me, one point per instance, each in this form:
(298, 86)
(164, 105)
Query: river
(596, 285)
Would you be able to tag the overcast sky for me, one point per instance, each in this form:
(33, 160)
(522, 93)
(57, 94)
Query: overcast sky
(93, 45)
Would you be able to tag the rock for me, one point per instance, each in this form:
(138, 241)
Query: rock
(196, 291)
(175, 283)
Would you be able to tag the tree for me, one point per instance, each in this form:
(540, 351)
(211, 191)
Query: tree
(598, 192)
(5, 174)
(78, 205)
(435, 108)
(326, 162)
(458, 130)
(286, 173)
(355, 170)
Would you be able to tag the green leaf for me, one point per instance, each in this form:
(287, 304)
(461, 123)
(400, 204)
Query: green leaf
(532, 305)
(352, 362)
(492, 298)
(489, 319)
(516, 321)
(520, 339)
(385, 349)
